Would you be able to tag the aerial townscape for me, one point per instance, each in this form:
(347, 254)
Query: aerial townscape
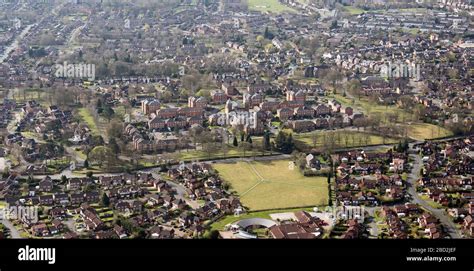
(236, 119)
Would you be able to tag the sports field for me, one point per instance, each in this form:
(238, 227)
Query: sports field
(266, 185)
(273, 6)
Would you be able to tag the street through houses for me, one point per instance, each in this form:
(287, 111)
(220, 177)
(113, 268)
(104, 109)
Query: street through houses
(14, 233)
(415, 197)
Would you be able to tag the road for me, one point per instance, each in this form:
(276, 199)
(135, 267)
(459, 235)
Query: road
(14, 233)
(2, 163)
(373, 228)
(443, 217)
(15, 44)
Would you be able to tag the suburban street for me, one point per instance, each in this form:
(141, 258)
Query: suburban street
(15, 44)
(13, 231)
(415, 198)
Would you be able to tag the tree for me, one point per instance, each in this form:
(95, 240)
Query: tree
(114, 146)
(210, 148)
(284, 143)
(105, 200)
(100, 155)
(354, 86)
(249, 139)
(267, 34)
(114, 129)
(108, 113)
(246, 147)
(235, 143)
(86, 164)
(333, 77)
(213, 234)
(99, 106)
(266, 141)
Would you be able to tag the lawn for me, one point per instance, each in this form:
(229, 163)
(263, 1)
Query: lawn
(89, 120)
(344, 139)
(268, 185)
(371, 108)
(24, 95)
(273, 6)
(422, 131)
(232, 151)
(431, 203)
(354, 10)
(357, 11)
(416, 130)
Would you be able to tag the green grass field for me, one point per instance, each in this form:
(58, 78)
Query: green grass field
(273, 185)
(344, 139)
(89, 120)
(416, 130)
(24, 95)
(371, 108)
(422, 131)
(268, 6)
(353, 10)
(357, 11)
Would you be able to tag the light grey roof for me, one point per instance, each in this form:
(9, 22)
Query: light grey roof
(245, 223)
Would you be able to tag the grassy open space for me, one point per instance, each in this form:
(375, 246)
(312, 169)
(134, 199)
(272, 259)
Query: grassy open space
(232, 151)
(354, 10)
(416, 130)
(422, 131)
(371, 108)
(24, 95)
(357, 11)
(343, 139)
(266, 185)
(273, 6)
(89, 120)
